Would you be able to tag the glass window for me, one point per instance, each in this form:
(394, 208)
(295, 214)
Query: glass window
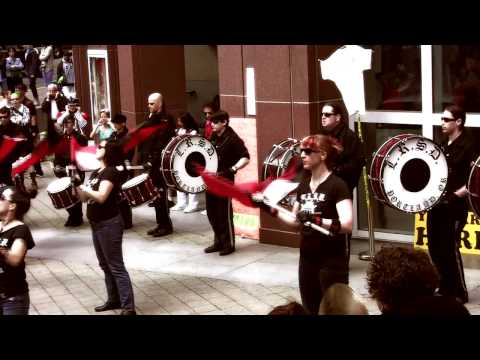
(386, 219)
(456, 76)
(394, 81)
(99, 88)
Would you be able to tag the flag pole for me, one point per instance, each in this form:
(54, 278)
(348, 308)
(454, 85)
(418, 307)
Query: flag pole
(366, 255)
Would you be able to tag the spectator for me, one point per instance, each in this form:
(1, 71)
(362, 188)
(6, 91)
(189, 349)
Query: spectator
(206, 125)
(73, 109)
(66, 75)
(403, 282)
(53, 103)
(187, 202)
(46, 65)
(103, 129)
(15, 240)
(32, 70)
(20, 114)
(340, 299)
(292, 308)
(5, 98)
(3, 78)
(13, 68)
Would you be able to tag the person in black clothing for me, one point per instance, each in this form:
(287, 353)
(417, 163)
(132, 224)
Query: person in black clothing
(351, 160)
(54, 103)
(150, 155)
(63, 166)
(15, 240)
(446, 220)
(322, 199)
(232, 156)
(119, 136)
(32, 69)
(403, 281)
(102, 194)
(9, 130)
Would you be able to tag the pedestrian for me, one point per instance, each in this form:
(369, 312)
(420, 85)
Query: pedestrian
(73, 109)
(32, 70)
(66, 75)
(186, 125)
(54, 103)
(103, 128)
(13, 68)
(15, 240)
(46, 64)
(101, 193)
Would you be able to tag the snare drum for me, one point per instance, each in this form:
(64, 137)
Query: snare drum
(179, 158)
(279, 158)
(409, 173)
(473, 188)
(140, 190)
(62, 194)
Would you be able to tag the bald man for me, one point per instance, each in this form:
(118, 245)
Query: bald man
(150, 154)
(53, 103)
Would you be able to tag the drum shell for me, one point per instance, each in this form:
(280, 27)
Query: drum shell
(279, 158)
(167, 159)
(64, 199)
(140, 193)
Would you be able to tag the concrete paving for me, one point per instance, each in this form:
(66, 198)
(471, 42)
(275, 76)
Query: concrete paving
(171, 275)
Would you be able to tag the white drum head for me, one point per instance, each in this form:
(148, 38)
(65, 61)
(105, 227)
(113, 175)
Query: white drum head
(59, 185)
(190, 150)
(414, 175)
(135, 181)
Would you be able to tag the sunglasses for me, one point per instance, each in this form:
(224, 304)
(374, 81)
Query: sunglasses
(327, 114)
(445, 119)
(308, 151)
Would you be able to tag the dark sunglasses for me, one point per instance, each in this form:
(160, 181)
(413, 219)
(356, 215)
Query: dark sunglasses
(445, 119)
(328, 114)
(308, 151)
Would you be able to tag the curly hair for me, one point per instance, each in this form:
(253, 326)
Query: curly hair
(398, 274)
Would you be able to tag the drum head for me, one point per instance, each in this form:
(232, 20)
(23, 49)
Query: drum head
(186, 153)
(414, 174)
(135, 181)
(474, 188)
(279, 157)
(59, 185)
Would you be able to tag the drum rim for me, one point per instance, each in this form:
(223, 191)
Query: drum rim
(144, 175)
(470, 196)
(267, 162)
(64, 179)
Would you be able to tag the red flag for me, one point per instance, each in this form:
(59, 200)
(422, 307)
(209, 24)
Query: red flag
(140, 135)
(83, 156)
(7, 146)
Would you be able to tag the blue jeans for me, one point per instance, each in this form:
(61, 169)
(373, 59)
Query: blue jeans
(107, 240)
(47, 77)
(15, 305)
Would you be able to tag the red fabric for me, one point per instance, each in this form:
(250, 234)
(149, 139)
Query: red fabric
(85, 162)
(208, 129)
(140, 135)
(7, 146)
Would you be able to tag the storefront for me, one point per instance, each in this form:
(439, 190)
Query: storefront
(274, 92)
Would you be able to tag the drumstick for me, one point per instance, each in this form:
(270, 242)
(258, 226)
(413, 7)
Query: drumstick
(292, 215)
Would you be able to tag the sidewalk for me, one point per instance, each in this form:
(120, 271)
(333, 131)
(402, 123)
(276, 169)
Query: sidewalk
(171, 275)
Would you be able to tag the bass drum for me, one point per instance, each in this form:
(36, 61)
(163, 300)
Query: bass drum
(179, 158)
(473, 188)
(409, 173)
(279, 158)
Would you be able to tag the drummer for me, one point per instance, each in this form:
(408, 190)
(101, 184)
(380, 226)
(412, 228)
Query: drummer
(61, 162)
(446, 220)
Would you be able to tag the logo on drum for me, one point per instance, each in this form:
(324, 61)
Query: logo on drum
(409, 173)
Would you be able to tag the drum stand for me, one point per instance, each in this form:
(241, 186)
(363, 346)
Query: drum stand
(366, 255)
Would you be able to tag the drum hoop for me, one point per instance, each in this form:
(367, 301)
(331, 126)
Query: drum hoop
(144, 175)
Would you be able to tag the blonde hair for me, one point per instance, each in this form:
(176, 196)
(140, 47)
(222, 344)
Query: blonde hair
(340, 299)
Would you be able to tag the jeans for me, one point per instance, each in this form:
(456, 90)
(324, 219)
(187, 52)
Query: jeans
(107, 240)
(15, 305)
(47, 77)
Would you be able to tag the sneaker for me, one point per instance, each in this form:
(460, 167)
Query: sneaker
(204, 212)
(190, 209)
(178, 207)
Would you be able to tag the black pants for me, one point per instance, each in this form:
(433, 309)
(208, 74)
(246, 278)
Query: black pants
(220, 216)
(33, 87)
(316, 276)
(162, 210)
(126, 212)
(75, 213)
(444, 228)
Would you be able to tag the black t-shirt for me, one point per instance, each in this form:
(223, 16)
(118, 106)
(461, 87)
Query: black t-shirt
(323, 201)
(13, 278)
(97, 212)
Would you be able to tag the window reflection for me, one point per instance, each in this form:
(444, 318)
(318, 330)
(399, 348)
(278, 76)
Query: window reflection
(394, 82)
(98, 86)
